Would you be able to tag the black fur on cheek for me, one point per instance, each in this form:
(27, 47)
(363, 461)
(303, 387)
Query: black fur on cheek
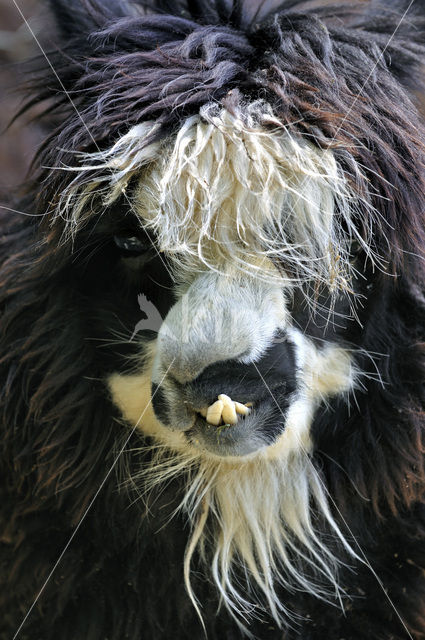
(160, 404)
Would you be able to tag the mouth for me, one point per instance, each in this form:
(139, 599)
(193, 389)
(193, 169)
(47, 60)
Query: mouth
(225, 412)
(254, 427)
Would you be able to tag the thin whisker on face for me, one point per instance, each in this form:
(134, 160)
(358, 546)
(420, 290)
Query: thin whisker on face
(380, 57)
(25, 213)
(97, 248)
(334, 461)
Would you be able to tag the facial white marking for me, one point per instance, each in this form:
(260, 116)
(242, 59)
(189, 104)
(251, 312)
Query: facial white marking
(321, 374)
(232, 189)
(257, 516)
(259, 507)
(132, 395)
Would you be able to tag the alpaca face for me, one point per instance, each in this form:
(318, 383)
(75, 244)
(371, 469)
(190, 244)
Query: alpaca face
(243, 216)
(194, 360)
(242, 220)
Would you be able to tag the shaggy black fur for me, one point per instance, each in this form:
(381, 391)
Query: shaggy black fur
(342, 73)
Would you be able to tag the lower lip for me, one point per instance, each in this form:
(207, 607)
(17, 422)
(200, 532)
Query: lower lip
(218, 441)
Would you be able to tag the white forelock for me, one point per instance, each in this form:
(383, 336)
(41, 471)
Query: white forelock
(233, 188)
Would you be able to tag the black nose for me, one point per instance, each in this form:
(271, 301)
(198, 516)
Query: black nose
(245, 382)
(272, 375)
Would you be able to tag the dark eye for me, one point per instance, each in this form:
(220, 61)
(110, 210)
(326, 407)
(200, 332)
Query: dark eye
(132, 245)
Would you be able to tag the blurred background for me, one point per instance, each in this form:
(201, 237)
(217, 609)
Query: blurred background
(18, 143)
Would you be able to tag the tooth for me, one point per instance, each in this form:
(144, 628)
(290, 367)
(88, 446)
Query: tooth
(214, 413)
(229, 413)
(203, 412)
(242, 409)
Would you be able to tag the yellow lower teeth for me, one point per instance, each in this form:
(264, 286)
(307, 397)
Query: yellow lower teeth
(224, 410)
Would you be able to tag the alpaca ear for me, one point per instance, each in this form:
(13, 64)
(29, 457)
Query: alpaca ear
(76, 18)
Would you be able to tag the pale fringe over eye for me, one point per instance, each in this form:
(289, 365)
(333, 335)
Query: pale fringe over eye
(253, 523)
(234, 187)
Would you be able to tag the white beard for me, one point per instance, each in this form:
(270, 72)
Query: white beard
(255, 516)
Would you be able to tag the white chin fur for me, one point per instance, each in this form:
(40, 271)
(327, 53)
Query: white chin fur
(253, 514)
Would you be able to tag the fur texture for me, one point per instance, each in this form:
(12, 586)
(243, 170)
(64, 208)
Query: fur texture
(256, 171)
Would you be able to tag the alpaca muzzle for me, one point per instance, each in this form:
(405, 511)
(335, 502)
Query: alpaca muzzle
(234, 405)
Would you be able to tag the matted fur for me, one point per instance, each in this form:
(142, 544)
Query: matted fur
(234, 187)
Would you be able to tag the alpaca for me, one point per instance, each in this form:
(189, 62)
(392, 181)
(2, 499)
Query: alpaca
(212, 331)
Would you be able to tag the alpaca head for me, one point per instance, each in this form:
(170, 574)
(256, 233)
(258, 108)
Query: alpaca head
(233, 195)
(240, 212)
